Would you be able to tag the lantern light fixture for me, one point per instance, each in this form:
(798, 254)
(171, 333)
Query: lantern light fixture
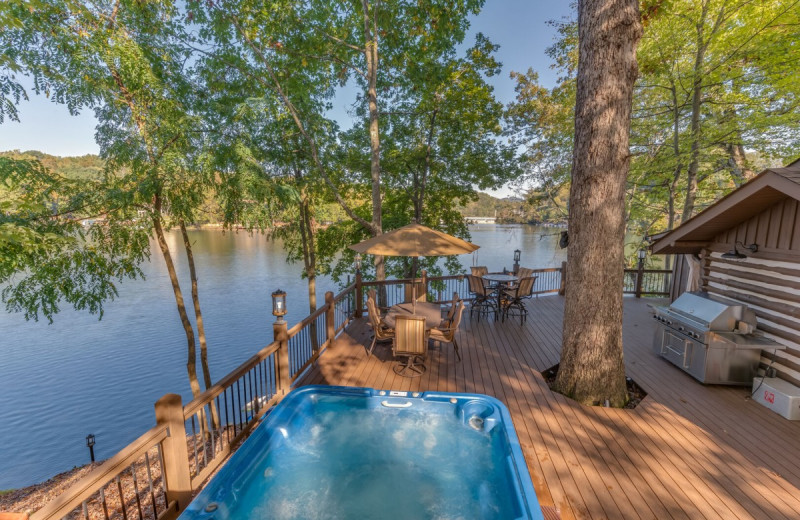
(90, 440)
(735, 254)
(279, 305)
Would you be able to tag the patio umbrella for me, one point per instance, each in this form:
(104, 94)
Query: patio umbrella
(414, 240)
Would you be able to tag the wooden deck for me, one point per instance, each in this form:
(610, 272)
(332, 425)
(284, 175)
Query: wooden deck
(688, 451)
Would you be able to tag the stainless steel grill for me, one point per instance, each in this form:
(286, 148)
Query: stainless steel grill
(711, 338)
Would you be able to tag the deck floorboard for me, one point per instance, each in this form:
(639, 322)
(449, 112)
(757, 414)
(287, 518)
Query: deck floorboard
(687, 451)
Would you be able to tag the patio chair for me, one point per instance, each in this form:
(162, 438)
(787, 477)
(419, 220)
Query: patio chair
(479, 270)
(448, 334)
(451, 312)
(381, 333)
(524, 272)
(512, 299)
(411, 342)
(482, 297)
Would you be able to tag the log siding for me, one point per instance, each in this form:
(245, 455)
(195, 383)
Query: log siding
(768, 281)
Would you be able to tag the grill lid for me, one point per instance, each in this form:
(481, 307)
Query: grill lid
(713, 312)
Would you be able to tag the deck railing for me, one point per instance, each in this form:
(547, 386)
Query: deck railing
(647, 282)
(440, 289)
(156, 476)
(128, 485)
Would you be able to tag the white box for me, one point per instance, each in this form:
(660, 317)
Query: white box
(778, 395)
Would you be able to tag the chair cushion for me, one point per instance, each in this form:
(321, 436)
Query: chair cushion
(439, 334)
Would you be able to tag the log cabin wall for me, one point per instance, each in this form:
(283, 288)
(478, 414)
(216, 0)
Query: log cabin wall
(767, 281)
(680, 277)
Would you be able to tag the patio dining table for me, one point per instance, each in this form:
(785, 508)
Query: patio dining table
(502, 281)
(431, 311)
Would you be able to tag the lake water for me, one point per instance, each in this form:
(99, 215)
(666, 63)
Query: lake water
(79, 375)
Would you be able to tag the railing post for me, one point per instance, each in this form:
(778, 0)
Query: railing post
(178, 479)
(280, 334)
(359, 295)
(639, 279)
(330, 318)
(424, 296)
(563, 287)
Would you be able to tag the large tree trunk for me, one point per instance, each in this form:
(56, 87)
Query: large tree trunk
(371, 55)
(592, 368)
(191, 361)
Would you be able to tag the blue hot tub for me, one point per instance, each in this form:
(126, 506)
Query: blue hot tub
(330, 452)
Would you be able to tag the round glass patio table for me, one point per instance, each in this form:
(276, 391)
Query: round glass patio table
(431, 311)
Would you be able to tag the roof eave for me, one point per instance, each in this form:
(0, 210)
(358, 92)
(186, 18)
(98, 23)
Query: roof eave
(771, 186)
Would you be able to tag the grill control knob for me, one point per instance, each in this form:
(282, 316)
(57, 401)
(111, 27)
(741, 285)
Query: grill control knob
(682, 328)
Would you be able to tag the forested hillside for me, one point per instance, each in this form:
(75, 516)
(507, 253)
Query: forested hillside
(83, 167)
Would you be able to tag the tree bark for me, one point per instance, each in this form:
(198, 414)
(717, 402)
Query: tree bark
(371, 56)
(695, 127)
(201, 331)
(309, 257)
(737, 162)
(676, 172)
(191, 361)
(592, 369)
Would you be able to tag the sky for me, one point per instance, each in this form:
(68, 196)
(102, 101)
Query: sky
(518, 26)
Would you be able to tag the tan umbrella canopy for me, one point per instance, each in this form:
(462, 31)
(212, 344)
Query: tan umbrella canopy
(414, 240)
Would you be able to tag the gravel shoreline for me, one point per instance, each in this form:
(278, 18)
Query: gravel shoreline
(33, 498)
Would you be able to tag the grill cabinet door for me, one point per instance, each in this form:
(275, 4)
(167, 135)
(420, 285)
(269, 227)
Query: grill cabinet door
(677, 349)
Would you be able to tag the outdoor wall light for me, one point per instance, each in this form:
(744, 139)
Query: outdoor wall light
(517, 255)
(279, 305)
(357, 261)
(734, 253)
(90, 443)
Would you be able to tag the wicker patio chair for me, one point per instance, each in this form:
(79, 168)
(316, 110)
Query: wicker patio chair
(512, 299)
(448, 334)
(482, 297)
(381, 333)
(411, 342)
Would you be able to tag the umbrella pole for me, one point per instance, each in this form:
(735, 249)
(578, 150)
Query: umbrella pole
(414, 266)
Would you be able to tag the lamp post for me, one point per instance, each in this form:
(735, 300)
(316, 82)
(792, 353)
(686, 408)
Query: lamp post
(517, 256)
(279, 305)
(90, 443)
(642, 254)
(359, 296)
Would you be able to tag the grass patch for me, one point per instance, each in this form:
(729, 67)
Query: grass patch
(6, 491)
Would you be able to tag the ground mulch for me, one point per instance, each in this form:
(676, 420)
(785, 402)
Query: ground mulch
(635, 392)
